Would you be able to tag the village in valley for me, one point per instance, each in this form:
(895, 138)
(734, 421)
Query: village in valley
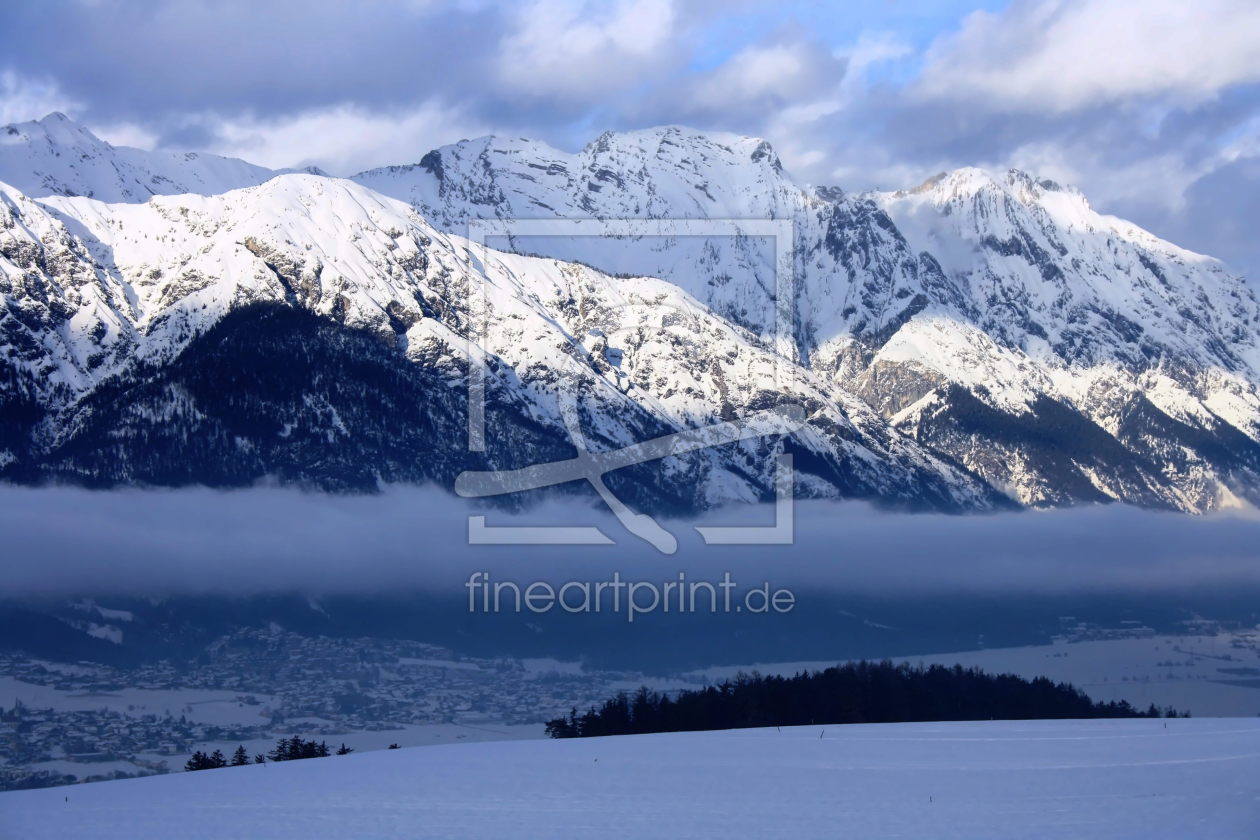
(77, 722)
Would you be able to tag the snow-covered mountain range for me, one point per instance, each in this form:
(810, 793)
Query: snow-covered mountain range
(977, 342)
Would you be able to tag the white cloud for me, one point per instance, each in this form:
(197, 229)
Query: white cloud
(871, 48)
(861, 169)
(1245, 142)
(1154, 182)
(23, 98)
(779, 70)
(777, 89)
(567, 49)
(342, 140)
(1058, 55)
(127, 134)
(796, 127)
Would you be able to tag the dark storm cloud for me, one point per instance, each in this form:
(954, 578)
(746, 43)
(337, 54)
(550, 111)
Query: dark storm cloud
(62, 541)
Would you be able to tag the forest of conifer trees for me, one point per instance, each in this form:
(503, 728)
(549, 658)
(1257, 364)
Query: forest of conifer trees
(861, 692)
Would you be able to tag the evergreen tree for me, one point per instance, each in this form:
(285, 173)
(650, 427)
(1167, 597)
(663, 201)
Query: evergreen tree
(240, 758)
(295, 747)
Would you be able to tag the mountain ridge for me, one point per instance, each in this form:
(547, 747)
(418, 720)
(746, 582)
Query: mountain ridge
(147, 281)
(893, 313)
(990, 334)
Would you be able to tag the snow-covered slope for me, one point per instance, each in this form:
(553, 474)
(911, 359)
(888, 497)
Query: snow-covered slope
(116, 307)
(976, 338)
(1071, 309)
(56, 156)
(1063, 355)
(1039, 780)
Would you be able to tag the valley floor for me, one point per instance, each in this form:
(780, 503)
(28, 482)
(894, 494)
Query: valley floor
(1109, 779)
(1208, 675)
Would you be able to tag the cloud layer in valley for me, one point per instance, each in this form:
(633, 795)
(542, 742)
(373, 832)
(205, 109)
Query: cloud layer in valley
(62, 541)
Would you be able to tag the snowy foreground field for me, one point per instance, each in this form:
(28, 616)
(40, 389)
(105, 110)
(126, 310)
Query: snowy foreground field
(1197, 778)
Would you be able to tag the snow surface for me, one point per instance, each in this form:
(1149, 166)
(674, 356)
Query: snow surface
(1047, 276)
(1036, 780)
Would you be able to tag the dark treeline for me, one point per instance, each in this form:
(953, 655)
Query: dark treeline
(861, 692)
(286, 749)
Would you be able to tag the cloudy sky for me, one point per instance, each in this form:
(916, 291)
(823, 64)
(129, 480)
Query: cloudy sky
(1152, 107)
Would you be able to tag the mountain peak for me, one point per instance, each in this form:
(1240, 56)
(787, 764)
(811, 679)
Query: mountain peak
(56, 117)
(55, 128)
(662, 139)
(58, 156)
(1031, 187)
(971, 181)
(964, 181)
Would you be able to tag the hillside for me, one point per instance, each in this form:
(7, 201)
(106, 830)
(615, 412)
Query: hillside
(1035, 780)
